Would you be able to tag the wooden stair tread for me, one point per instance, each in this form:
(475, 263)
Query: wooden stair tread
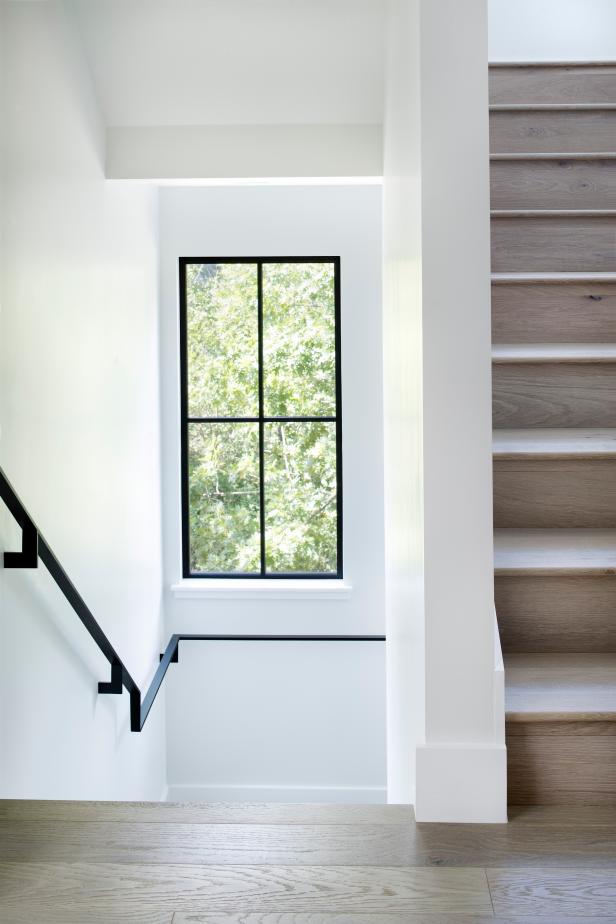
(551, 107)
(551, 155)
(552, 213)
(554, 551)
(560, 687)
(597, 443)
(547, 278)
(547, 64)
(553, 352)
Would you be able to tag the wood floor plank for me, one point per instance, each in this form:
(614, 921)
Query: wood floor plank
(289, 845)
(308, 918)
(204, 812)
(123, 888)
(556, 892)
(58, 913)
(415, 846)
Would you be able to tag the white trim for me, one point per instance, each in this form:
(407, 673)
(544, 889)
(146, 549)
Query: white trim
(258, 589)
(459, 783)
(345, 795)
(499, 687)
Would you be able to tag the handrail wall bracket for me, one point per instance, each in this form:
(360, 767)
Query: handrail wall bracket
(28, 556)
(115, 684)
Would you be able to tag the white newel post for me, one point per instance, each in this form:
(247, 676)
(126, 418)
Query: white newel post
(445, 748)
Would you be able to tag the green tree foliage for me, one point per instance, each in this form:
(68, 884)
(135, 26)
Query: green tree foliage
(299, 380)
(222, 340)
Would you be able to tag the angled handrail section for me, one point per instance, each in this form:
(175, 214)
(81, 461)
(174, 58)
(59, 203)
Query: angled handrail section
(34, 546)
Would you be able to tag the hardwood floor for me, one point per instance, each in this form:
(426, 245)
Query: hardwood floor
(309, 918)
(102, 863)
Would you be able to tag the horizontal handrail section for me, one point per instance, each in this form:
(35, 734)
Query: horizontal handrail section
(34, 546)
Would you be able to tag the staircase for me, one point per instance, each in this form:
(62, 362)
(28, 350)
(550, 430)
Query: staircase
(553, 198)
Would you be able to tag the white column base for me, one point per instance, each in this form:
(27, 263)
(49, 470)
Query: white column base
(461, 783)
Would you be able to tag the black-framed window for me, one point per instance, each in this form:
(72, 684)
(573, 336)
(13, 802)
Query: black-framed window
(261, 430)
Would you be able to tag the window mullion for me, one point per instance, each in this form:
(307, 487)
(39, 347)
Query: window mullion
(261, 414)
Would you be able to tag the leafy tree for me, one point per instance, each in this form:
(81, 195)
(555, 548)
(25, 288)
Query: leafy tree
(298, 380)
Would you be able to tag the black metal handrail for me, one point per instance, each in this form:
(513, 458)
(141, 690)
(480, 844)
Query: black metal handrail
(34, 546)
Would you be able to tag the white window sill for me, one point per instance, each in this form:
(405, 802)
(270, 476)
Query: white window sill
(288, 589)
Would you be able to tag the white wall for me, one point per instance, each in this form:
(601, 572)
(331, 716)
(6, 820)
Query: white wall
(235, 62)
(438, 414)
(552, 30)
(233, 151)
(80, 435)
(277, 721)
(3, 515)
(224, 698)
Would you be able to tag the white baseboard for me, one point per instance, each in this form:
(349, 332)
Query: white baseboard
(458, 783)
(347, 795)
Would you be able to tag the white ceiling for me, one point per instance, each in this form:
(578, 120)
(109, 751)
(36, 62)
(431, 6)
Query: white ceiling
(222, 62)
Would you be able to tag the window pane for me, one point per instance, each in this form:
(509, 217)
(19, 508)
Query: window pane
(223, 473)
(299, 350)
(300, 498)
(222, 351)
